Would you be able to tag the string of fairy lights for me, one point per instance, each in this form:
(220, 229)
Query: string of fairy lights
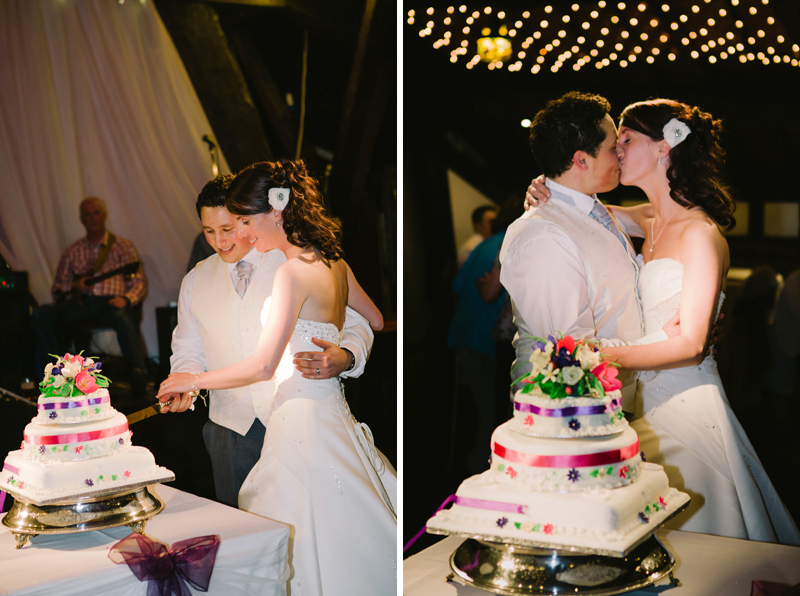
(606, 34)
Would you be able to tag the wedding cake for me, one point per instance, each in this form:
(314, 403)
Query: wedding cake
(77, 444)
(566, 470)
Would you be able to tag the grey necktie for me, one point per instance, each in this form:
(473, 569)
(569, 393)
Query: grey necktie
(244, 270)
(600, 213)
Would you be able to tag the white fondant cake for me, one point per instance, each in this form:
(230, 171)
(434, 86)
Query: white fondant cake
(77, 444)
(566, 471)
(68, 410)
(540, 416)
(564, 465)
(607, 520)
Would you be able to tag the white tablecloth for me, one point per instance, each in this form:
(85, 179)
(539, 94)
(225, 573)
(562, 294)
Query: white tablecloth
(705, 565)
(252, 558)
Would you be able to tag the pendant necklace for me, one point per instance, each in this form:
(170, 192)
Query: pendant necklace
(652, 226)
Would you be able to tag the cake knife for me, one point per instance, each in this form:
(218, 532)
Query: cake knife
(147, 412)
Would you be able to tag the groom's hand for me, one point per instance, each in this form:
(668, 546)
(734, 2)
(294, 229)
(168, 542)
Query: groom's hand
(329, 363)
(537, 193)
(673, 327)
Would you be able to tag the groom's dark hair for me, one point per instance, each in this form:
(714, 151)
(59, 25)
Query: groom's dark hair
(568, 124)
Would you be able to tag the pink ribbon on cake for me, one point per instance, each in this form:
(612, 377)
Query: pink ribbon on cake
(567, 461)
(474, 503)
(76, 437)
(94, 401)
(563, 412)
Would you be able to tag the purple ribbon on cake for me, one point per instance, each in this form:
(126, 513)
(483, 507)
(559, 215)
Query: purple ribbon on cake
(564, 412)
(168, 570)
(474, 503)
(94, 401)
(13, 470)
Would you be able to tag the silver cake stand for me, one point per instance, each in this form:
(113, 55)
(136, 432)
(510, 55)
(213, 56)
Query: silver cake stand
(132, 505)
(511, 569)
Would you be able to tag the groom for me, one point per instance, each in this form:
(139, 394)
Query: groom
(219, 323)
(566, 264)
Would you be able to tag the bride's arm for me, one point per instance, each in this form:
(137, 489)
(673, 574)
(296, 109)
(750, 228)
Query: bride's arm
(631, 219)
(702, 252)
(358, 300)
(288, 297)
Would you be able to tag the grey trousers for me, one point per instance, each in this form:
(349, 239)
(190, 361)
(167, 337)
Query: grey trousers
(232, 457)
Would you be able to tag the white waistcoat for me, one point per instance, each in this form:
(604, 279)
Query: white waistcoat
(610, 273)
(229, 329)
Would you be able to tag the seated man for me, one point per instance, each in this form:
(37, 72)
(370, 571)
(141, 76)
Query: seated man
(99, 282)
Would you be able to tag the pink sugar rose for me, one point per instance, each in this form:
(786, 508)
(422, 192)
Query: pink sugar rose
(607, 375)
(85, 382)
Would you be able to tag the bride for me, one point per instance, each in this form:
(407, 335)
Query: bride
(672, 152)
(319, 471)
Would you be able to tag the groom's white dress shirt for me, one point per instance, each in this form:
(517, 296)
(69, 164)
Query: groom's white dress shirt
(567, 273)
(217, 328)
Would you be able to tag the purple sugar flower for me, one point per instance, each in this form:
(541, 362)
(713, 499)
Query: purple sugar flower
(90, 483)
(575, 424)
(502, 522)
(644, 518)
(42, 449)
(53, 415)
(573, 475)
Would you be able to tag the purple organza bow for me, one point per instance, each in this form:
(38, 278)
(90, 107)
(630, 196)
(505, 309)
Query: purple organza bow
(168, 569)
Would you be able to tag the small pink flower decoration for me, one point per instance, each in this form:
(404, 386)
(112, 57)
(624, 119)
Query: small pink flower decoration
(529, 420)
(607, 375)
(623, 472)
(21, 483)
(78, 449)
(127, 474)
(662, 501)
(85, 382)
(548, 528)
(511, 472)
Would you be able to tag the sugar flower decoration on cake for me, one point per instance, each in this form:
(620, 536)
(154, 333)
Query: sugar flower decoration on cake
(72, 375)
(565, 367)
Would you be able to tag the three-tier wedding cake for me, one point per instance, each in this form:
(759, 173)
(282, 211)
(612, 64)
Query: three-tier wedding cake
(566, 470)
(77, 444)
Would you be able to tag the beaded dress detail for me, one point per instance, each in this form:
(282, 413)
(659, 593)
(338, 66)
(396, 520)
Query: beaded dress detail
(686, 425)
(320, 473)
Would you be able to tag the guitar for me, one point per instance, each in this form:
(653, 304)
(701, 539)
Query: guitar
(130, 269)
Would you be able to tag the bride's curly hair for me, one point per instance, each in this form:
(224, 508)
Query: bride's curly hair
(305, 220)
(695, 172)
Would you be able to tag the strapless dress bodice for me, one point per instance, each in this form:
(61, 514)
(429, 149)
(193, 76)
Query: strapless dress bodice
(305, 330)
(660, 291)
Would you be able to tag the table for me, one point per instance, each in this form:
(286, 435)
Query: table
(252, 558)
(705, 565)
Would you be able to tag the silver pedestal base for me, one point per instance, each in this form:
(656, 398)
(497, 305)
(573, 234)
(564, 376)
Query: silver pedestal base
(511, 570)
(132, 507)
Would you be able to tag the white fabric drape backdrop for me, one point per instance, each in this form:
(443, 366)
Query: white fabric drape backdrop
(95, 101)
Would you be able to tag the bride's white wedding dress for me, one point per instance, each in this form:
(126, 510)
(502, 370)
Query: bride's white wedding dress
(690, 429)
(320, 473)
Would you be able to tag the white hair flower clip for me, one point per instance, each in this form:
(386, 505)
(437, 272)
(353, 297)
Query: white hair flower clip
(278, 197)
(675, 131)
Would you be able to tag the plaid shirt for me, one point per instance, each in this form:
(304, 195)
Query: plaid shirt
(78, 259)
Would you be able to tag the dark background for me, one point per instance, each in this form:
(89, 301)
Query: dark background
(468, 121)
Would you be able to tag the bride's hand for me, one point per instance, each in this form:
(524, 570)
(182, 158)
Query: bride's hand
(537, 193)
(176, 383)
